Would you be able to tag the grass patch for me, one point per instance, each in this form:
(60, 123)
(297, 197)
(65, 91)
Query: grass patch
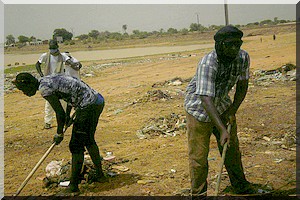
(25, 68)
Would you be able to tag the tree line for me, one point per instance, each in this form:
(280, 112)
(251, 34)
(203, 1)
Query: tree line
(97, 36)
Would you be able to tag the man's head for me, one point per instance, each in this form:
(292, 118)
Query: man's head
(27, 83)
(228, 42)
(53, 47)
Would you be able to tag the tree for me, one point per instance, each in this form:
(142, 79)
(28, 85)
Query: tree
(266, 22)
(184, 31)
(83, 37)
(66, 35)
(23, 39)
(196, 27)
(10, 39)
(124, 27)
(172, 31)
(94, 34)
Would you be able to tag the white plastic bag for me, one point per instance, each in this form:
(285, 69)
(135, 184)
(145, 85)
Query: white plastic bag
(53, 169)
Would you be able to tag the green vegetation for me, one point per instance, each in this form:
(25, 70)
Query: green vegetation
(96, 36)
(13, 70)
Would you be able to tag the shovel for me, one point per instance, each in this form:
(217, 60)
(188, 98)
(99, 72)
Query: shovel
(41, 160)
(222, 162)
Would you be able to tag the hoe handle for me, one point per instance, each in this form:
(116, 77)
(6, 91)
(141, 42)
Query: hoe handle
(42, 159)
(34, 169)
(222, 162)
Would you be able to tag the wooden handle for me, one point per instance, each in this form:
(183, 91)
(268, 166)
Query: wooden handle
(34, 169)
(222, 162)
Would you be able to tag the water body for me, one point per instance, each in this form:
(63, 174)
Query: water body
(106, 54)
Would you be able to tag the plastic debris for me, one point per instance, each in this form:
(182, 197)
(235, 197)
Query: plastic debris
(64, 183)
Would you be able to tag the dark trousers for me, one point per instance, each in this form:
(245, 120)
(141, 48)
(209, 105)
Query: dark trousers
(84, 127)
(198, 141)
(83, 135)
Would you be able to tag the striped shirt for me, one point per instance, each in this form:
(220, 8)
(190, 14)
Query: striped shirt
(214, 79)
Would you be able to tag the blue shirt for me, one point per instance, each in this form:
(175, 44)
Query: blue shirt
(72, 90)
(215, 80)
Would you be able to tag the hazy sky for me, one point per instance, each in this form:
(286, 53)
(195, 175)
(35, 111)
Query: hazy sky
(40, 20)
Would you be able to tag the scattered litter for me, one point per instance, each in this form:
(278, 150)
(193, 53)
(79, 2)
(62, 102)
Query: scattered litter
(171, 125)
(64, 184)
(53, 169)
(143, 182)
(278, 160)
(110, 158)
(112, 174)
(118, 111)
(173, 170)
(120, 168)
(177, 81)
(286, 72)
(289, 139)
(261, 191)
(269, 152)
(267, 138)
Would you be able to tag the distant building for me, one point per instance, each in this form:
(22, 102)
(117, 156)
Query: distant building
(36, 43)
(59, 39)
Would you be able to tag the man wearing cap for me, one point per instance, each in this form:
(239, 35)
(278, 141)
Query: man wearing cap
(54, 64)
(209, 108)
(89, 105)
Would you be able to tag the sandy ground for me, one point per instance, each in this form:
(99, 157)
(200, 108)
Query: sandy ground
(268, 112)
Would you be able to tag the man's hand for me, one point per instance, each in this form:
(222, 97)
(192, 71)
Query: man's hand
(225, 137)
(58, 138)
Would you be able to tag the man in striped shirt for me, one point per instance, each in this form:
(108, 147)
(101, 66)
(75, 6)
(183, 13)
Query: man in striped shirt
(209, 108)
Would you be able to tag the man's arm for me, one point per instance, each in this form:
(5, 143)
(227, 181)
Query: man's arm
(239, 96)
(38, 68)
(212, 112)
(59, 111)
(75, 65)
(68, 118)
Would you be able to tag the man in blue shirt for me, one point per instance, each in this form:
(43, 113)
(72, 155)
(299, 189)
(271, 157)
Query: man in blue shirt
(88, 106)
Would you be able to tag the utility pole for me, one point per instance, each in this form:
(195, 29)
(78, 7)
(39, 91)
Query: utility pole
(72, 31)
(226, 13)
(198, 23)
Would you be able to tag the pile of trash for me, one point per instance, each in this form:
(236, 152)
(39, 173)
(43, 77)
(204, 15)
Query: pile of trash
(177, 81)
(153, 95)
(284, 73)
(58, 172)
(172, 125)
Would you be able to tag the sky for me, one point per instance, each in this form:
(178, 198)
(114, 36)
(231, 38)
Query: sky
(40, 20)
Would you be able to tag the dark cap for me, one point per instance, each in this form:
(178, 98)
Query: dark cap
(228, 32)
(53, 44)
